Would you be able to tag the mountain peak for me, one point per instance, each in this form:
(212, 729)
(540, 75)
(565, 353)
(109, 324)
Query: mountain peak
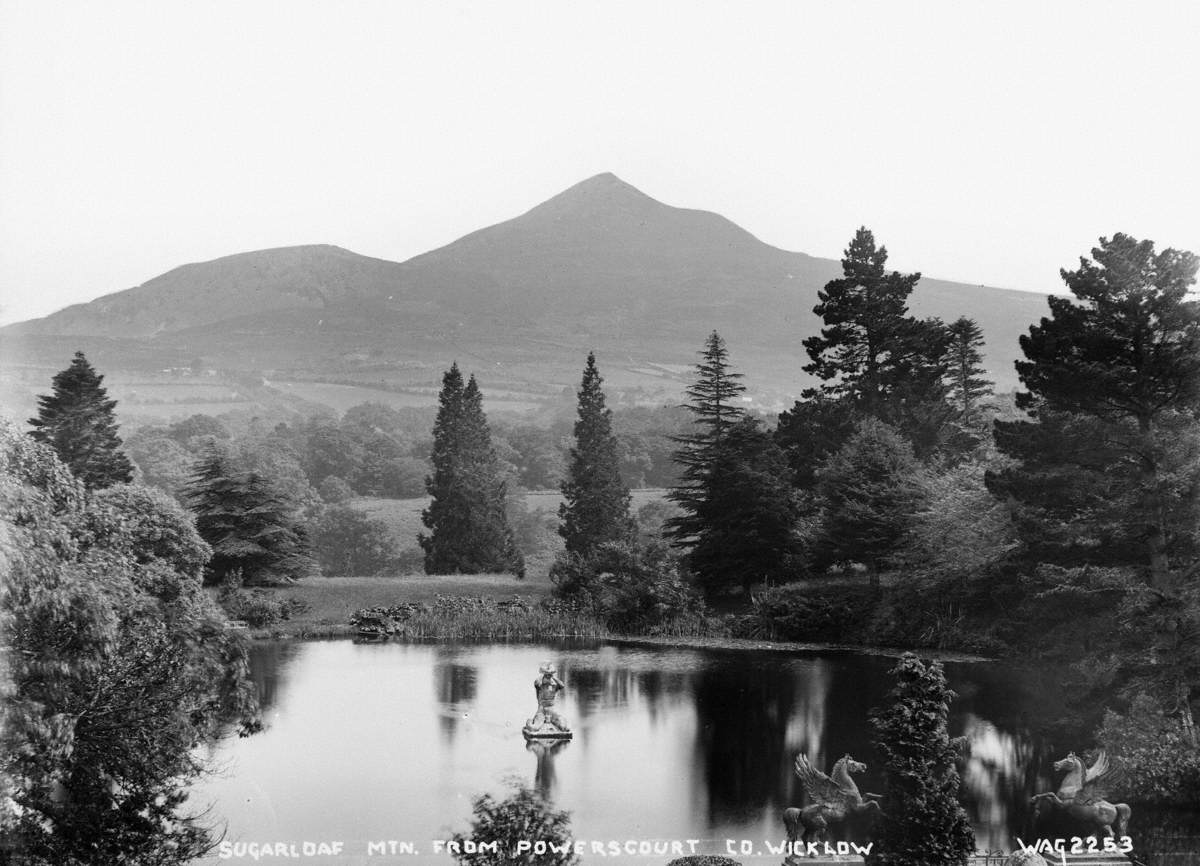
(601, 192)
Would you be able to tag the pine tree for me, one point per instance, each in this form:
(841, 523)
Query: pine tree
(1116, 372)
(468, 530)
(967, 385)
(923, 823)
(596, 501)
(249, 526)
(77, 421)
(870, 347)
(715, 409)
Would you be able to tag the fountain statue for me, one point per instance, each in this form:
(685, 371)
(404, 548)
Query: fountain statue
(546, 723)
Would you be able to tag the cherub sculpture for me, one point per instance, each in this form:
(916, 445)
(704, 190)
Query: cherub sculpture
(546, 722)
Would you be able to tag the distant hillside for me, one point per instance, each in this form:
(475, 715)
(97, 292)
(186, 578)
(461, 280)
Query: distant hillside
(600, 266)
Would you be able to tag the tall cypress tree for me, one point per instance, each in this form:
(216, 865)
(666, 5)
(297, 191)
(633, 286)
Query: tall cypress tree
(715, 409)
(468, 530)
(923, 823)
(596, 501)
(77, 421)
(967, 383)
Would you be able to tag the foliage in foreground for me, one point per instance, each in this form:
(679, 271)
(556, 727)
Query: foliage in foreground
(923, 823)
(119, 668)
(522, 816)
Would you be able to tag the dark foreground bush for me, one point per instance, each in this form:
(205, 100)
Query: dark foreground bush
(501, 826)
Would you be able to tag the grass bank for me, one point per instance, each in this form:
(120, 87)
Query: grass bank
(329, 601)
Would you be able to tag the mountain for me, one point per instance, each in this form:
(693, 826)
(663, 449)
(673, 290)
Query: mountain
(600, 266)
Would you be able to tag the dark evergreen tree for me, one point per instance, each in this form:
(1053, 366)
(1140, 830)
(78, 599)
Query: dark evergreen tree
(714, 405)
(595, 506)
(748, 514)
(468, 530)
(1114, 393)
(811, 431)
(448, 514)
(869, 494)
(870, 349)
(923, 823)
(77, 421)
(249, 526)
(968, 386)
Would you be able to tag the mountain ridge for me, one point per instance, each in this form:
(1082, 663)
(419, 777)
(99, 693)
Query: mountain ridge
(601, 265)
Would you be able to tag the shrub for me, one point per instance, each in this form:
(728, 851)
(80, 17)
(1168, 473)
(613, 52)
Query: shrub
(631, 588)
(523, 816)
(257, 608)
(804, 614)
(1163, 768)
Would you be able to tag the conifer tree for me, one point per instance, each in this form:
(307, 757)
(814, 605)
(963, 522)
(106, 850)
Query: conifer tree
(923, 823)
(870, 347)
(967, 383)
(748, 514)
(596, 501)
(1114, 392)
(245, 521)
(715, 409)
(468, 530)
(77, 421)
(869, 494)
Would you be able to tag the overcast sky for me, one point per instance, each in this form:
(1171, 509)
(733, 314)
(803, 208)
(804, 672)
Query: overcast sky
(990, 143)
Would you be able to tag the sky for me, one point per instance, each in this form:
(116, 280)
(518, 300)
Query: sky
(989, 143)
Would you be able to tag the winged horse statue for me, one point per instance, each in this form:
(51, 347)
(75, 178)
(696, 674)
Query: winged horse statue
(1083, 793)
(833, 798)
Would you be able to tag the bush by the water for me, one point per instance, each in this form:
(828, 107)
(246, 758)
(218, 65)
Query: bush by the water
(631, 588)
(474, 617)
(256, 608)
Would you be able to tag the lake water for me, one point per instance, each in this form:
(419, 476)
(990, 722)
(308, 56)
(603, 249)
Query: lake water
(371, 743)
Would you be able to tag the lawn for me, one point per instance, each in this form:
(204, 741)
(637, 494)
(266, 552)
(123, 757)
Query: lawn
(331, 600)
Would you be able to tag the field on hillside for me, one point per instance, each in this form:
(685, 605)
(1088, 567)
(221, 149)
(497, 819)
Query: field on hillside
(342, 397)
(403, 516)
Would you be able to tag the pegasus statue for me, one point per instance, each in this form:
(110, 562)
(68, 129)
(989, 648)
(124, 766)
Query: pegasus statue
(1083, 793)
(833, 798)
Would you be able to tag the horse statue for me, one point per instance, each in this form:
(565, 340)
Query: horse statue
(1083, 793)
(833, 798)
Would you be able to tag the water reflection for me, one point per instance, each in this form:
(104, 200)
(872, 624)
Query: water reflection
(544, 751)
(397, 738)
(455, 684)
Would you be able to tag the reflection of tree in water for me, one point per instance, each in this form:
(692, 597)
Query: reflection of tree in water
(544, 751)
(269, 662)
(743, 739)
(456, 686)
(594, 688)
(999, 775)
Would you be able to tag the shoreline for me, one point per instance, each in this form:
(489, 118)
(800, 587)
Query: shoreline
(311, 631)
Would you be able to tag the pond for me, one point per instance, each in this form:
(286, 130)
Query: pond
(388, 743)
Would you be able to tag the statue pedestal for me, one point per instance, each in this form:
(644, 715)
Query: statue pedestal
(545, 732)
